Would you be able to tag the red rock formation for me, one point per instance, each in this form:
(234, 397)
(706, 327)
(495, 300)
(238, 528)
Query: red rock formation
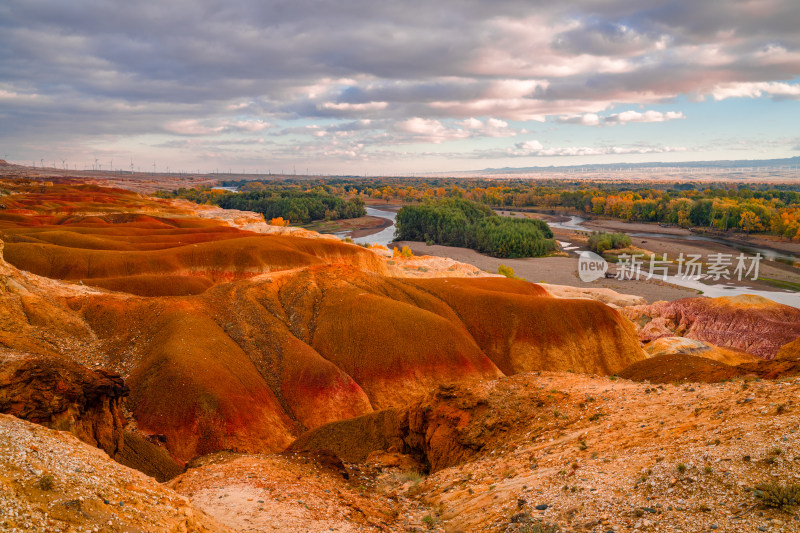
(749, 323)
(63, 395)
(284, 334)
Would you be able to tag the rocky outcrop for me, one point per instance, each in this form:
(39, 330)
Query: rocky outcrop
(446, 427)
(684, 346)
(748, 323)
(63, 395)
(607, 296)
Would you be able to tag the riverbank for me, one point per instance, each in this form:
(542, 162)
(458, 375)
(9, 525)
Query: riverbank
(365, 225)
(776, 280)
(553, 270)
(769, 242)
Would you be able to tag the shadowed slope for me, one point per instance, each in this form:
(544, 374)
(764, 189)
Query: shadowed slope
(522, 331)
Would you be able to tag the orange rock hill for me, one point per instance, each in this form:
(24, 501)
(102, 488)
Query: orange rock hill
(234, 340)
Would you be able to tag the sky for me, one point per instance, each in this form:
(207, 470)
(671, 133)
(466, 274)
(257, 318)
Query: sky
(356, 87)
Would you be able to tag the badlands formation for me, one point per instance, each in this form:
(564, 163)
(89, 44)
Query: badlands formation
(170, 367)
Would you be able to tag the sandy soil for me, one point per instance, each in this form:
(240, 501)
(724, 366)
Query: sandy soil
(555, 270)
(767, 241)
(357, 227)
(673, 245)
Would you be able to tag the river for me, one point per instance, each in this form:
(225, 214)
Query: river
(384, 236)
(575, 223)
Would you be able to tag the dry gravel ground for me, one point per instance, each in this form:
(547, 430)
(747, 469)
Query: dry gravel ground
(601, 454)
(287, 492)
(609, 459)
(51, 481)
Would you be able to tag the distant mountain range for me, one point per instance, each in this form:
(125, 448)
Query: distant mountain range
(742, 163)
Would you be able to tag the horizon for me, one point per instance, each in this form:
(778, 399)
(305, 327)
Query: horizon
(360, 88)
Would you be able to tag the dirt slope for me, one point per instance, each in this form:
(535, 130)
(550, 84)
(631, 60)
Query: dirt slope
(51, 481)
(593, 454)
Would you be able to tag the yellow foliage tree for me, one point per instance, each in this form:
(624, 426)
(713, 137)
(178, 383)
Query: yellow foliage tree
(405, 252)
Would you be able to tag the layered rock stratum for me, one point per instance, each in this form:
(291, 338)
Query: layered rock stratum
(60, 394)
(747, 323)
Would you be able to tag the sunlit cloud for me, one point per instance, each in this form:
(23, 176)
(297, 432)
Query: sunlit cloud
(756, 90)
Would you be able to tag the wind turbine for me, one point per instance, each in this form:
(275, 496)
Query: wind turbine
(131, 165)
(64, 164)
(96, 166)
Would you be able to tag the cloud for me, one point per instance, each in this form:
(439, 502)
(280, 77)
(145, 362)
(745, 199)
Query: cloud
(648, 116)
(354, 108)
(587, 119)
(429, 130)
(537, 149)
(756, 90)
(625, 117)
(198, 127)
(606, 38)
(419, 72)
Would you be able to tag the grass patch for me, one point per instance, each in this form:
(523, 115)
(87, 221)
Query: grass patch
(781, 284)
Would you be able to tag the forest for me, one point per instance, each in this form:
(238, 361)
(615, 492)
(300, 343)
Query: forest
(459, 222)
(723, 206)
(292, 205)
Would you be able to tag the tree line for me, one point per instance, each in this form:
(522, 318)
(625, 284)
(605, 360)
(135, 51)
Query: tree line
(459, 222)
(294, 206)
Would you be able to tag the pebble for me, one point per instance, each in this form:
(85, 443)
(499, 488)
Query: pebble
(542, 507)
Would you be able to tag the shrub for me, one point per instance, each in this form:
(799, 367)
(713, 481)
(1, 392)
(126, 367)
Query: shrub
(412, 475)
(681, 468)
(783, 497)
(507, 271)
(278, 221)
(46, 482)
(601, 241)
(405, 252)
